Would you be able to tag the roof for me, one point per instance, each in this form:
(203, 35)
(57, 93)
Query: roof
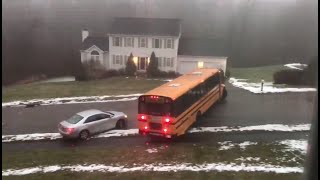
(100, 42)
(202, 47)
(182, 84)
(89, 112)
(146, 26)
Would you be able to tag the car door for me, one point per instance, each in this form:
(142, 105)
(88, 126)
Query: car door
(105, 122)
(93, 123)
(113, 121)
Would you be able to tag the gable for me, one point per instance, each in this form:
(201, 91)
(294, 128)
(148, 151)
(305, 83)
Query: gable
(100, 42)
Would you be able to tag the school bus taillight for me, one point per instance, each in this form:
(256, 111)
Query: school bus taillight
(142, 117)
(145, 127)
(167, 120)
(165, 130)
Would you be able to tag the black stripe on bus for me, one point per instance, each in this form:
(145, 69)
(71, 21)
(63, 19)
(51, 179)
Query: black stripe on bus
(196, 108)
(208, 95)
(208, 98)
(195, 111)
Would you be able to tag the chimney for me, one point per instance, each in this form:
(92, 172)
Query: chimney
(85, 34)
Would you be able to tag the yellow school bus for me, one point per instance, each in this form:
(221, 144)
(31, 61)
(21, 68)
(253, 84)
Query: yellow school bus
(170, 109)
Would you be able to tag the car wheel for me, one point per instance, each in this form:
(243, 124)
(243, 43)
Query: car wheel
(84, 135)
(121, 124)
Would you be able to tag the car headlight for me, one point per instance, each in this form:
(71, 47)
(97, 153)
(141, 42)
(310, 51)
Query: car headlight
(125, 116)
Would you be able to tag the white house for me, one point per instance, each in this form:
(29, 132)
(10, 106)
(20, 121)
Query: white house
(141, 37)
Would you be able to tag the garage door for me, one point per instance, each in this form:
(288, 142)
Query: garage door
(187, 66)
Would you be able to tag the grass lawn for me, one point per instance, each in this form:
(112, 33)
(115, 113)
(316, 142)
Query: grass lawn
(172, 154)
(110, 86)
(273, 154)
(255, 74)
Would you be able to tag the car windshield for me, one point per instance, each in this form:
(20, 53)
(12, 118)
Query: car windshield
(74, 119)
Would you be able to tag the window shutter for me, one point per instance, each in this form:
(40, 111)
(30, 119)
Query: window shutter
(113, 59)
(121, 59)
(172, 43)
(146, 40)
(172, 62)
(153, 43)
(139, 41)
(160, 43)
(120, 39)
(132, 42)
(165, 43)
(113, 41)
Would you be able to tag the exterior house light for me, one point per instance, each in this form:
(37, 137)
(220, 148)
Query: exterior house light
(200, 64)
(135, 60)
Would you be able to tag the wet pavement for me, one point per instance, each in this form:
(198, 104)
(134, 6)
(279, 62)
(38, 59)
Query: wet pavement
(241, 108)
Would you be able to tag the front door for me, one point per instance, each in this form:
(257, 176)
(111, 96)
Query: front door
(142, 63)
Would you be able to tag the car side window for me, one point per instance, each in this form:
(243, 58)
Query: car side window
(104, 116)
(91, 119)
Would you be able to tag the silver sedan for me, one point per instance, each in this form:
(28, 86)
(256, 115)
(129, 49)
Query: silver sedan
(86, 123)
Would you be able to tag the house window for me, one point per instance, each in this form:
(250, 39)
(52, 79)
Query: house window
(169, 44)
(143, 42)
(156, 43)
(168, 62)
(117, 59)
(117, 41)
(95, 55)
(129, 41)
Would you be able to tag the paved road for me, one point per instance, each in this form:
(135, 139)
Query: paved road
(241, 108)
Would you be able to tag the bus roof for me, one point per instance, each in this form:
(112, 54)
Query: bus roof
(182, 84)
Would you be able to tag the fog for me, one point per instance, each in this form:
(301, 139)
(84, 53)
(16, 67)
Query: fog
(44, 36)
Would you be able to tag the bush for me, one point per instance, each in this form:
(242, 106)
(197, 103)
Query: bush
(308, 76)
(121, 72)
(173, 74)
(311, 72)
(131, 67)
(288, 76)
(152, 69)
(110, 73)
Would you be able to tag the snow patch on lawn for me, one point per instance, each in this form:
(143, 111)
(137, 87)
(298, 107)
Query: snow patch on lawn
(225, 145)
(118, 133)
(246, 143)
(31, 137)
(131, 132)
(296, 145)
(54, 136)
(242, 159)
(268, 87)
(60, 79)
(290, 145)
(219, 167)
(296, 66)
(72, 100)
(267, 127)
